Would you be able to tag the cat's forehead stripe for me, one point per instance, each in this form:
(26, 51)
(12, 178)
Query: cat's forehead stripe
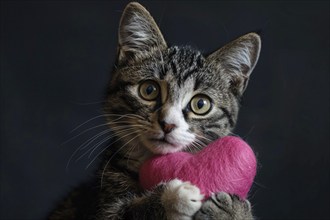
(184, 62)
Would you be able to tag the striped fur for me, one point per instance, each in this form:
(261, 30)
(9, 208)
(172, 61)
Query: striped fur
(180, 73)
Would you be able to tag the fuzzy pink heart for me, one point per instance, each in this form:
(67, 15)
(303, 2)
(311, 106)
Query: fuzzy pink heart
(227, 165)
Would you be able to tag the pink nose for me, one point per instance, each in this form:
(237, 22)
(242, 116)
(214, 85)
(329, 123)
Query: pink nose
(167, 128)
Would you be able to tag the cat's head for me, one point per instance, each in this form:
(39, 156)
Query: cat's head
(169, 99)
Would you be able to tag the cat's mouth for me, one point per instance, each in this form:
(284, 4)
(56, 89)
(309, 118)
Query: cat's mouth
(162, 146)
(160, 140)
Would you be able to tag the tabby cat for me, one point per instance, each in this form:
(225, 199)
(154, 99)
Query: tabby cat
(164, 99)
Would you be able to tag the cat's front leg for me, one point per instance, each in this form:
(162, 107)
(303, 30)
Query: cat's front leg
(181, 200)
(224, 206)
(173, 200)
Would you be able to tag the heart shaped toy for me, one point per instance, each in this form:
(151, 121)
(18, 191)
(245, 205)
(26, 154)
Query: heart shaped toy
(227, 164)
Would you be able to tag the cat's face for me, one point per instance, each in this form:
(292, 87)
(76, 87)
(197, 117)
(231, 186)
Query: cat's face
(169, 99)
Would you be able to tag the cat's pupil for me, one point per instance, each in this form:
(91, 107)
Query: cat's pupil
(150, 89)
(201, 103)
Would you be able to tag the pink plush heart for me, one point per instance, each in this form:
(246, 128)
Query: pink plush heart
(228, 165)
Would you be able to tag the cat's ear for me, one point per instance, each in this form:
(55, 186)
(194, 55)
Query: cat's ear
(138, 33)
(237, 59)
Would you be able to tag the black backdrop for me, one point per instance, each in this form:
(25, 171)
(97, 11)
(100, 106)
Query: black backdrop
(56, 59)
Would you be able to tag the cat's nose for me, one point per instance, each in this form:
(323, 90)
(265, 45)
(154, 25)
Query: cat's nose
(167, 128)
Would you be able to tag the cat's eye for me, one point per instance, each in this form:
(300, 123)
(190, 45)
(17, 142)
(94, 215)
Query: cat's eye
(200, 104)
(149, 90)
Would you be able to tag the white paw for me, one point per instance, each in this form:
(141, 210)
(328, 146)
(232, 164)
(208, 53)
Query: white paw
(181, 200)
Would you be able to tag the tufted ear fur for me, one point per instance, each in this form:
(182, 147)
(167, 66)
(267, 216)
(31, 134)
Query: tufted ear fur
(138, 33)
(237, 59)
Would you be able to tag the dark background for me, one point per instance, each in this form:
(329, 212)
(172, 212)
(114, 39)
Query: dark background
(56, 59)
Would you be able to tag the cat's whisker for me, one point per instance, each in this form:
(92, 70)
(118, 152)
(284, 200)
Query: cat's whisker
(190, 148)
(144, 122)
(124, 131)
(133, 116)
(118, 122)
(92, 149)
(196, 146)
(136, 131)
(203, 137)
(91, 140)
(91, 119)
(97, 145)
(200, 143)
(82, 146)
(94, 127)
(125, 126)
(83, 132)
(101, 142)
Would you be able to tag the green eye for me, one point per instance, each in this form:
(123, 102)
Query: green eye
(200, 104)
(149, 90)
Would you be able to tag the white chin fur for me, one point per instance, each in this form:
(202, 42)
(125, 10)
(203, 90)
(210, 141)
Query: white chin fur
(171, 145)
(167, 149)
(160, 147)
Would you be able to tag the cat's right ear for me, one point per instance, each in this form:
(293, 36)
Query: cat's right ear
(138, 33)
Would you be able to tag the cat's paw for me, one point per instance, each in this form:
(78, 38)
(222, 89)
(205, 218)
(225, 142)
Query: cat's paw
(181, 200)
(225, 207)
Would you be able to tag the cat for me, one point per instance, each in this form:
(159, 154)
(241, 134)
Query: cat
(164, 99)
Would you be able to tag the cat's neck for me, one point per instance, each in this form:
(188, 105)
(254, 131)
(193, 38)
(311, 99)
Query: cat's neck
(132, 157)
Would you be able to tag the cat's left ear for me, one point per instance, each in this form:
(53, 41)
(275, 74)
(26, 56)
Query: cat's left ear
(138, 33)
(236, 60)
